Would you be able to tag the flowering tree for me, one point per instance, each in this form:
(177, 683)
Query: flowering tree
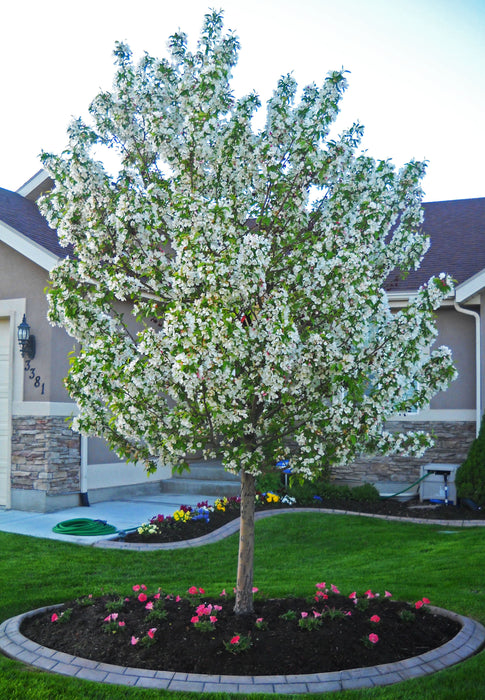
(226, 287)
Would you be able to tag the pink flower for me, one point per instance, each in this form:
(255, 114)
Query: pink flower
(375, 618)
(194, 620)
(316, 614)
(259, 620)
(121, 623)
(107, 619)
(143, 587)
(425, 601)
(54, 617)
(149, 605)
(418, 604)
(201, 590)
(177, 599)
(223, 592)
(136, 588)
(200, 609)
(369, 594)
(151, 632)
(255, 590)
(235, 639)
(114, 616)
(213, 619)
(334, 589)
(387, 594)
(373, 638)
(349, 613)
(217, 607)
(320, 585)
(142, 597)
(192, 590)
(304, 614)
(353, 595)
(134, 640)
(156, 596)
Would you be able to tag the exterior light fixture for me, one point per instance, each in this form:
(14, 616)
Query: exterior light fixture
(26, 341)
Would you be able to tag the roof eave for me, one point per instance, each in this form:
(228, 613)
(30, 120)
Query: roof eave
(28, 248)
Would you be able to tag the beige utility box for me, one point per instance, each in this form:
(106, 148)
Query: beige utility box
(439, 484)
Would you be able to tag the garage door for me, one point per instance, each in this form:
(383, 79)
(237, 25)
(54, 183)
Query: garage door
(4, 410)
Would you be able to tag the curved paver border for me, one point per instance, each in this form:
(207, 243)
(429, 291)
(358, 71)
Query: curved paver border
(466, 643)
(233, 526)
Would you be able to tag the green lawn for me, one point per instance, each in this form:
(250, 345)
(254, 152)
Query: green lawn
(293, 552)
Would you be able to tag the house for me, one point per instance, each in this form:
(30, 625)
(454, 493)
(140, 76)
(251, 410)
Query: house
(457, 236)
(44, 466)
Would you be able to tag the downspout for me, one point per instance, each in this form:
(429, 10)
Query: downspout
(478, 373)
(83, 477)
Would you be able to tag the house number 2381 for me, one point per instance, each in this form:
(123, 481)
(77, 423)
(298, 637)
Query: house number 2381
(36, 378)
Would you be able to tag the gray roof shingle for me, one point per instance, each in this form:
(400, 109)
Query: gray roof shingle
(24, 216)
(457, 235)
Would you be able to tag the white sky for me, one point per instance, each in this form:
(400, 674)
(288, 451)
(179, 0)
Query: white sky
(416, 82)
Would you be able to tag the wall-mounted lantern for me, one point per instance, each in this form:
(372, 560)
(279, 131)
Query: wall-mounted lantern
(26, 340)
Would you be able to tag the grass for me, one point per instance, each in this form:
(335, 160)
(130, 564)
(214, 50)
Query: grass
(293, 552)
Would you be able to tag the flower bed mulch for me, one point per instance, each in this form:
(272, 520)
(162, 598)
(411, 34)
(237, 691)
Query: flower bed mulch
(167, 638)
(177, 531)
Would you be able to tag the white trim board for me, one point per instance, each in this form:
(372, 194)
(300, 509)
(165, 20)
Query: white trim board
(28, 248)
(445, 415)
(43, 408)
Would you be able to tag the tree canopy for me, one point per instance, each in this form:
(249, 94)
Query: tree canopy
(227, 285)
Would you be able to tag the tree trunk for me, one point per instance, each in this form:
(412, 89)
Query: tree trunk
(245, 567)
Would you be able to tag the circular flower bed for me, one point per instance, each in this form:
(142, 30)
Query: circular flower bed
(196, 633)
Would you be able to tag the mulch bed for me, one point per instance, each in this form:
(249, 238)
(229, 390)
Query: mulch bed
(340, 642)
(178, 531)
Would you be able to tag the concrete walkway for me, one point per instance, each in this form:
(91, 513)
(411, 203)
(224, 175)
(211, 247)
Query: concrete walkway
(124, 514)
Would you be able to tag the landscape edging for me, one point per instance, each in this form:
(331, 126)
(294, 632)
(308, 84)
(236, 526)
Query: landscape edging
(233, 526)
(464, 644)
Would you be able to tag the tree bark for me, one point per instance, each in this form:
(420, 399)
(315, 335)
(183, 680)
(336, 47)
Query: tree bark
(245, 567)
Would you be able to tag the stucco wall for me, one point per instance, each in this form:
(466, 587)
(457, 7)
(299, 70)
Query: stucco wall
(21, 278)
(457, 331)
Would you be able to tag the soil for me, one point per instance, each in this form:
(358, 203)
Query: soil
(177, 531)
(339, 641)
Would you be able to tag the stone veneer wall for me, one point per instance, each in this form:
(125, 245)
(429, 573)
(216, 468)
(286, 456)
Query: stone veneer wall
(46, 455)
(452, 442)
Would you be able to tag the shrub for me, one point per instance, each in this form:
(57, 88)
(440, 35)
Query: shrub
(470, 476)
(366, 492)
(305, 491)
(271, 481)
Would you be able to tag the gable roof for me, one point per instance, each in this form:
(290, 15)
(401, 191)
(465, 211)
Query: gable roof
(457, 243)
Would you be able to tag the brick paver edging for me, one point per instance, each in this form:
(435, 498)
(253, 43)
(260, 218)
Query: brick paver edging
(466, 643)
(233, 526)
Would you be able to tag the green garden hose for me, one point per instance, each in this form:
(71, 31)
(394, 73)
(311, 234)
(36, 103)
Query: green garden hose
(84, 527)
(407, 488)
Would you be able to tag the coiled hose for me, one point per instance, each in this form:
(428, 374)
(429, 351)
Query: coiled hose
(84, 527)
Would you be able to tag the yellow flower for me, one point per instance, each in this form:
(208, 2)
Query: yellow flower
(272, 497)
